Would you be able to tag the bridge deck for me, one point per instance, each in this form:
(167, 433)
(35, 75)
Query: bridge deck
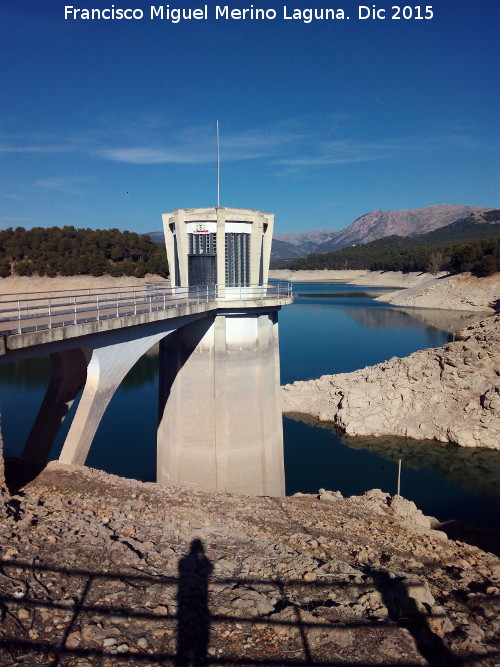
(45, 317)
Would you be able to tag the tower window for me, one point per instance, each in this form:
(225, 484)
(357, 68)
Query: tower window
(202, 244)
(237, 259)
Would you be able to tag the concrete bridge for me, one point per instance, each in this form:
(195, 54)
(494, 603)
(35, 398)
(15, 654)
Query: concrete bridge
(219, 417)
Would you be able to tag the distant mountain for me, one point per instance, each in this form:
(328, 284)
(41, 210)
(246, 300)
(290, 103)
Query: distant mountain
(308, 239)
(376, 225)
(156, 237)
(477, 226)
(468, 244)
(285, 250)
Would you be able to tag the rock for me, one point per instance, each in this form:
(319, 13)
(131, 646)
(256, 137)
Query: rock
(329, 495)
(438, 622)
(407, 510)
(417, 595)
(377, 494)
(459, 382)
(91, 633)
(73, 640)
(282, 570)
(340, 636)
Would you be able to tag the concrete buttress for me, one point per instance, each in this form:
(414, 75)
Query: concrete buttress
(69, 372)
(107, 367)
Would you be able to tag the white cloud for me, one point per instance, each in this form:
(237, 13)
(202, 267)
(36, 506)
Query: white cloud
(36, 148)
(347, 151)
(150, 155)
(296, 142)
(68, 184)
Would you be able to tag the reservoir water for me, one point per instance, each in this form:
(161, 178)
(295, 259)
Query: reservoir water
(330, 328)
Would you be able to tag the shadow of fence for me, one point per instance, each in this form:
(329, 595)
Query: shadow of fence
(131, 617)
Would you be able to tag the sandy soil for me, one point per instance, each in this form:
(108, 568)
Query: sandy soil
(21, 285)
(371, 278)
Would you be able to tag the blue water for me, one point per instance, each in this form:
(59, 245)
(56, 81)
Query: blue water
(329, 334)
(330, 328)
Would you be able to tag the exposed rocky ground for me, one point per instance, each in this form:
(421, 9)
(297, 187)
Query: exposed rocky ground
(421, 290)
(451, 394)
(98, 570)
(460, 292)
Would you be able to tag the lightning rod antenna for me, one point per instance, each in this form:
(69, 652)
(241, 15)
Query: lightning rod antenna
(218, 165)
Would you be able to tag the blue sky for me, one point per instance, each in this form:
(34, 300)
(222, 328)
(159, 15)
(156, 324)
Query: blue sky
(110, 123)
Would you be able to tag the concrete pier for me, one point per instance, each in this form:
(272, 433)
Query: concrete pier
(220, 418)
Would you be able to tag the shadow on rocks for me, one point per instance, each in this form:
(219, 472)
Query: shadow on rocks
(406, 612)
(193, 614)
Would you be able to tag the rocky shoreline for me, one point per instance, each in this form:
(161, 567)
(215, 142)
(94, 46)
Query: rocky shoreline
(416, 290)
(450, 394)
(99, 570)
(460, 292)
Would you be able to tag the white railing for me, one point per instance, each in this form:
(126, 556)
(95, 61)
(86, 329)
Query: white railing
(40, 310)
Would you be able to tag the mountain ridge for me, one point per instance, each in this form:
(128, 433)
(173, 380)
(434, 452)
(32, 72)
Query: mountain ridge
(378, 224)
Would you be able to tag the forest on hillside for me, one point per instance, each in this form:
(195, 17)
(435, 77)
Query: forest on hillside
(436, 251)
(68, 251)
(482, 258)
